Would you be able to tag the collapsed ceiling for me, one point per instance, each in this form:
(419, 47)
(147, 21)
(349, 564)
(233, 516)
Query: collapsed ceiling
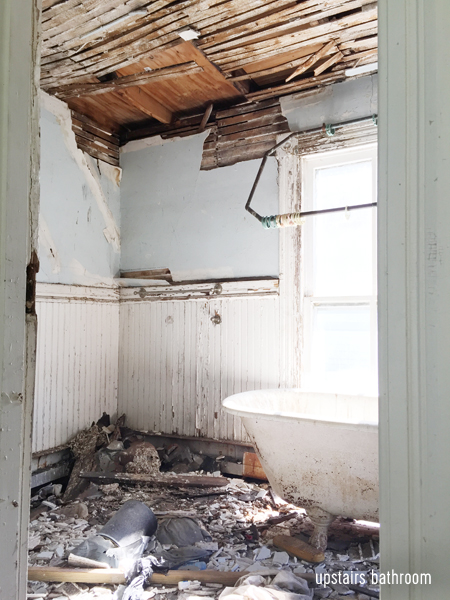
(126, 65)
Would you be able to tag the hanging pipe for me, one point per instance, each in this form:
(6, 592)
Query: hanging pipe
(294, 219)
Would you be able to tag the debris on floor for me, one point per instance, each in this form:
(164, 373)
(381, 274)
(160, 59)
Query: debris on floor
(233, 542)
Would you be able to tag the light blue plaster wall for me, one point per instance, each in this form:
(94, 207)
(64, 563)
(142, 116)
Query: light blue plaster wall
(194, 222)
(332, 104)
(81, 253)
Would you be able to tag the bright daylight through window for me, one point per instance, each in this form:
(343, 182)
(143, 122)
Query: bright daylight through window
(339, 273)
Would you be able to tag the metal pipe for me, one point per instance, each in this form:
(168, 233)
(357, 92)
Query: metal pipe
(324, 128)
(340, 209)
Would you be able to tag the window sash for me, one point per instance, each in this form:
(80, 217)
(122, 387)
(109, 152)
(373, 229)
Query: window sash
(309, 300)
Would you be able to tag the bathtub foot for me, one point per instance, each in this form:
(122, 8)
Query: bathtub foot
(321, 521)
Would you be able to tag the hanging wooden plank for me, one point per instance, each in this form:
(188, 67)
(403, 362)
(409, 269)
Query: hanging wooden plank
(243, 133)
(281, 66)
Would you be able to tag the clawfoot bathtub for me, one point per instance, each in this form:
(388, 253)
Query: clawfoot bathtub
(319, 451)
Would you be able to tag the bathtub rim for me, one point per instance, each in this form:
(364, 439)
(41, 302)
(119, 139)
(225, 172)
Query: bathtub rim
(313, 419)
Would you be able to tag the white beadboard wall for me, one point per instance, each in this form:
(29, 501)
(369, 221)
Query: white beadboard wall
(176, 365)
(77, 360)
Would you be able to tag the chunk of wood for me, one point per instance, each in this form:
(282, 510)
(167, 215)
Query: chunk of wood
(148, 274)
(168, 480)
(326, 48)
(298, 548)
(110, 576)
(113, 576)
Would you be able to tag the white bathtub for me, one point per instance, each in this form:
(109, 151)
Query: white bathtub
(319, 451)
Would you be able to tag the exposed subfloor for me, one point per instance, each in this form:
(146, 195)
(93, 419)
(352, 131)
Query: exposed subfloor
(242, 519)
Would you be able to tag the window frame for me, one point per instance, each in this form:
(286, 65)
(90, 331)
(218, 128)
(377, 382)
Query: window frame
(308, 163)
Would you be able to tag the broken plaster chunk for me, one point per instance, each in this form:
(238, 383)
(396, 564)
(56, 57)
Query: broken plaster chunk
(189, 585)
(262, 553)
(45, 555)
(280, 558)
(299, 570)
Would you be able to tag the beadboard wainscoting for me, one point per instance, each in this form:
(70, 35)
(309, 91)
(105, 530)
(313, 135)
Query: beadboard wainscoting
(166, 356)
(184, 349)
(77, 360)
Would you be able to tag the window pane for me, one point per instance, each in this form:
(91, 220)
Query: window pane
(342, 260)
(341, 349)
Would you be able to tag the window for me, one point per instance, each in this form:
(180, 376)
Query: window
(339, 273)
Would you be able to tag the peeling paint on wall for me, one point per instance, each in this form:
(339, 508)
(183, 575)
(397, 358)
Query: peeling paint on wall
(80, 207)
(113, 173)
(85, 163)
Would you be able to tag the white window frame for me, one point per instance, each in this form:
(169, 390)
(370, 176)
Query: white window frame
(308, 300)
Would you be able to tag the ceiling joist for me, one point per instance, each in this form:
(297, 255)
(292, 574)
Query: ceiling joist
(89, 89)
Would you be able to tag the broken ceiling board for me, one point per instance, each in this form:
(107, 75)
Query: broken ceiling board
(329, 62)
(81, 41)
(243, 133)
(245, 48)
(192, 91)
(298, 22)
(350, 27)
(312, 60)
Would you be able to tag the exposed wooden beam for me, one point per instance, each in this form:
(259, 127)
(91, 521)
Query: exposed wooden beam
(311, 61)
(89, 89)
(147, 104)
